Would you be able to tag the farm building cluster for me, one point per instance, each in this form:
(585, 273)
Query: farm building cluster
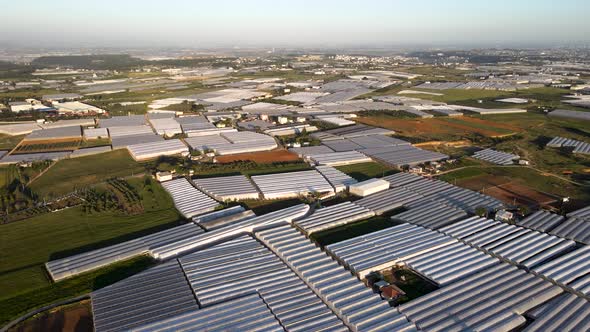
(276, 230)
(239, 118)
(524, 271)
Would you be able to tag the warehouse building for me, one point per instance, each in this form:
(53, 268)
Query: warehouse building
(429, 214)
(123, 121)
(339, 181)
(76, 107)
(358, 307)
(578, 146)
(188, 200)
(228, 188)
(511, 243)
(494, 299)
(247, 226)
(166, 126)
(496, 157)
(294, 184)
(388, 200)
(146, 151)
(383, 249)
(542, 221)
(368, 187)
(232, 143)
(63, 133)
(307, 151)
(357, 130)
(339, 158)
(403, 155)
(571, 271)
(333, 216)
(91, 260)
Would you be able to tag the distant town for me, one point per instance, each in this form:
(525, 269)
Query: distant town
(282, 189)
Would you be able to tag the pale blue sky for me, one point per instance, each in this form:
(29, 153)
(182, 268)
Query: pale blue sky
(326, 23)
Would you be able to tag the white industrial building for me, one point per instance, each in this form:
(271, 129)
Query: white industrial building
(145, 151)
(368, 187)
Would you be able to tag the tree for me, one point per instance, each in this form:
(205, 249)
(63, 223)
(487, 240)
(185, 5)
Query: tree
(481, 211)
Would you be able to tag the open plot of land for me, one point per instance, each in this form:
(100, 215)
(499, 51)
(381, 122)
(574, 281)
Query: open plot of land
(7, 175)
(70, 318)
(508, 190)
(18, 305)
(67, 175)
(260, 157)
(440, 128)
(26, 245)
(265, 206)
(365, 171)
(247, 168)
(527, 185)
(352, 230)
(459, 95)
(9, 142)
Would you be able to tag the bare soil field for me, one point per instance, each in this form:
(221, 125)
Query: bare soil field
(508, 191)
(260, 157)
(76, 318)
(447, 126)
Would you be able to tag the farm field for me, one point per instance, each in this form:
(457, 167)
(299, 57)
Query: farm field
(12, 307)
(95, 142)
(9, 142)
(75, 317)
(265, 206)
(350, 231)
(517, 182)
(530, 132)
(26, 245)
(69, 174)
(247, 168)
(542, 96)
(440, 128)
(47, 146)
(365, 171)
(509, 191)
(260, 157)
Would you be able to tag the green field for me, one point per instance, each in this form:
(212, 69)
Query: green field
(7, 175)
(246, 168)
(69, 174)
(95, 142)
(547, 97)
(462, 95)
(9, 142)
(365, 171)
(265, 206)
(352, 230)
(26, 245)
(12, 307)
(526, 176)
(539, 129)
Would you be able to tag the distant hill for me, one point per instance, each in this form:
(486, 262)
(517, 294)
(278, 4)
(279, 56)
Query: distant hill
(103, 61)
(13, 70)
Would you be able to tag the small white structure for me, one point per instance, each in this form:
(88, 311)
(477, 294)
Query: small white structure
(76, 107)
(163, 176)
(368, 187)
(95, 133)
(283, 120)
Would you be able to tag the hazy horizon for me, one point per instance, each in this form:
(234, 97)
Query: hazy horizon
(326, 24)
